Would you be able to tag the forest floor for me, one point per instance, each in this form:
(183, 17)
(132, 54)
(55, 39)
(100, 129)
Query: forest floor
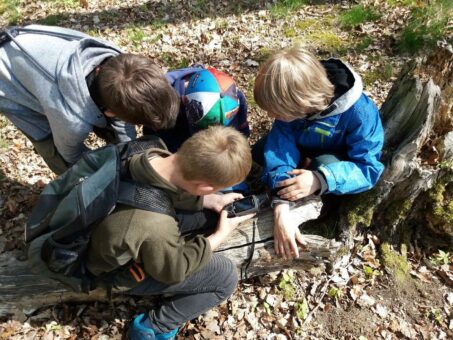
(361, 299)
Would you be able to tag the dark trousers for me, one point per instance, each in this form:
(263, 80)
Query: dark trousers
(317, 157)
(47, 150)
(200, 291)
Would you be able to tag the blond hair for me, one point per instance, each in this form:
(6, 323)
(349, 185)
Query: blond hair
(292, 83)
(218, 155)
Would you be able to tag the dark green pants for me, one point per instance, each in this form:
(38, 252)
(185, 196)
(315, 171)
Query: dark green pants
(47, 150)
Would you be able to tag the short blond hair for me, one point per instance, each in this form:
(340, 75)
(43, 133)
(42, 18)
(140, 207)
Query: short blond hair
(218, 155)
(292, 83)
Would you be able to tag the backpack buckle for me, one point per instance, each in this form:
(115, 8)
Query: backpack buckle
(3, 38)
(7, 33)
(137, 272)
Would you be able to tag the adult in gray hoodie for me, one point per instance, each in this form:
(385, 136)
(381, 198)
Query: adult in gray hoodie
(57, 85)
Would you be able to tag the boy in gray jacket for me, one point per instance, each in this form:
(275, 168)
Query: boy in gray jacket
(57, 85)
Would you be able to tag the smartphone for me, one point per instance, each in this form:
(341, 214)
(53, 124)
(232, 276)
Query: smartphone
(247, 205)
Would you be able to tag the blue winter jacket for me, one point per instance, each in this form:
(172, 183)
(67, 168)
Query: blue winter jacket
(182, 130)
(350, 126)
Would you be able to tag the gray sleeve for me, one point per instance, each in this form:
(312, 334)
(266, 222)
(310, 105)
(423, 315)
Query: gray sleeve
(124, 132)
(323, 182)
(69, 140)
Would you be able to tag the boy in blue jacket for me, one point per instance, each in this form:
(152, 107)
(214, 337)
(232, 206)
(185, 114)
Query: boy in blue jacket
(326, 139)
(208, 97)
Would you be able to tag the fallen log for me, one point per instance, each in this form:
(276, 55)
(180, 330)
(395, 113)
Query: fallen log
(22, 292)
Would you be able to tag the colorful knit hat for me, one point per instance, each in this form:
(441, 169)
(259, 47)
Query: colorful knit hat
(211, 98)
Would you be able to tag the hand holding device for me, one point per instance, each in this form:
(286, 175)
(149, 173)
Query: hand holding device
(247, 205)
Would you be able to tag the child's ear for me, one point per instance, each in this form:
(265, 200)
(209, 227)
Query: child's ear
(109, 114)
(205, 188)
(184, 99)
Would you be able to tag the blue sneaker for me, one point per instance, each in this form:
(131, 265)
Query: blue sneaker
(138, 331)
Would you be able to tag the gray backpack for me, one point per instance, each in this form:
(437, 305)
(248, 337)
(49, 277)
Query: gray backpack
(59, 228)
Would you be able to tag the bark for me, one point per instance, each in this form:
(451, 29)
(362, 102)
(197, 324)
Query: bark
(418, 154)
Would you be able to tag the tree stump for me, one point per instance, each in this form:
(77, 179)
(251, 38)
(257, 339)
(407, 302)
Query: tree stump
(418, 154)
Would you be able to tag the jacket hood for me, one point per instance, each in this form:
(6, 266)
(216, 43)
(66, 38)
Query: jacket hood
(74, 64)
(351, 88)
(177, 77)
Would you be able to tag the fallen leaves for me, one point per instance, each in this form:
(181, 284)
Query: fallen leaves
(278, 305)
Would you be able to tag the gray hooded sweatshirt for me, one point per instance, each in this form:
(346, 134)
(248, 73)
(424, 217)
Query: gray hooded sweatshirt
(58, 101)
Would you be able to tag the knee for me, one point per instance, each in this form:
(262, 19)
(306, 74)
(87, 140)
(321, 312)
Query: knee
(228, 277)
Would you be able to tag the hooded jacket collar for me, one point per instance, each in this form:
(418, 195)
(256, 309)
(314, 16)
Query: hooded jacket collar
(342, 76)
(72, 68)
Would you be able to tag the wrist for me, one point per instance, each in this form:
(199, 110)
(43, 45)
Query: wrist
(280, 209)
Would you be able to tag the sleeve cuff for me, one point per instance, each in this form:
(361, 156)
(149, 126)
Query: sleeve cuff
(323, 183)
(277, 200)
(329, 178)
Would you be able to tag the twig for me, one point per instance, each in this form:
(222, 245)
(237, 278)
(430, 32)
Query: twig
(324, 292)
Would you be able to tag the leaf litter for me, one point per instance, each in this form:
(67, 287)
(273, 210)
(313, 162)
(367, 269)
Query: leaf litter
(357, 299)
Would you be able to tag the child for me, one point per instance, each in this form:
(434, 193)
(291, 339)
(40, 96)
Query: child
(326, 139)
(208, 97)
(57, 85)
(196, 278)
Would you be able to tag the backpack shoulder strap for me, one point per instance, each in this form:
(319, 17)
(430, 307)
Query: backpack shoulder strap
(142, 196)
(16, 30)
(12, 32)
(145, 197)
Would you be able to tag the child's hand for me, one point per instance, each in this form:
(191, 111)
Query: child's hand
(216, 202)
(286, 233)
(225, 227)
(229, 224)
(303, 184)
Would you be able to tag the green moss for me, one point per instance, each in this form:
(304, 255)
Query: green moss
(397, 211)
(93, 32)
(182, 63)
(158, 24)
(370, 77)
(403, 3)
(10, 10)
(136, 35)
(428, 23)
(174, 62)
(3, 144)
(357, 15)
(327, 41)
(440, 208)
(3, 121)
(284, 7)
(360, 209)
(108, 16)
(378, 75)
(51, 20)
(69, 3)
(306, 24)
(397, 264)
(221, 24)
(249, 93)
(343, 251)
(168, 59)
(263, 54)
(290, 32)
(363, 44)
